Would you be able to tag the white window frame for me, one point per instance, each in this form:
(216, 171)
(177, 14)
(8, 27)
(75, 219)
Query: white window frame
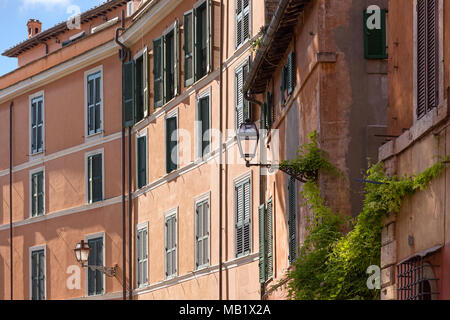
(204, 197)
(30, 188)
(86, 157)
(86, 115)
(441, 57)
(173, 113)
(37, 154)
(238, 180)
(168, 214)
(198, 128)
(86, 239)
(142, 133)
(30, 252)
(139, 227)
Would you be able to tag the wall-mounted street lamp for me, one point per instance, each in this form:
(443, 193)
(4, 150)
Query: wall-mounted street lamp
(247, 138)
(82, 251)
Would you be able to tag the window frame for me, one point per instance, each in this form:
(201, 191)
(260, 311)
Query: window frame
(94, 236)
(208, 39)
(172, 213)
(87, 74)
(198, 127)
(30, 180)
(40, 95)
(171, 114)
(206, 197)
(141, 134)
(87, 155)
(30, 267)
(140, 227)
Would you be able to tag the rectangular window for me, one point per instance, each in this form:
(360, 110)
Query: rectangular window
(95, 178)
(188, 48)
(201, 40)
(204, 132)
(142, 256)
(427, 56)
(202, 234)
(95, 277)
(242, 28)
(374, 37)
(38, 275)
(242, 105)
(141, 161)
(37, 124)
(171, 144)
(292, 220)
(94, 101)
(37, 194)
(170, 232)
(242, 198)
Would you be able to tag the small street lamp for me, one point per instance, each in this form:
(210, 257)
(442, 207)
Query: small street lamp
(82, 251)
(247, 138)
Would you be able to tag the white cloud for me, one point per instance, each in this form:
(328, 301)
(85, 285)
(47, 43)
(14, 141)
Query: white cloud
(48, 4)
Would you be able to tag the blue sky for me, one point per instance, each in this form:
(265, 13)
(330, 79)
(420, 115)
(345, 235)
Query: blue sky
(14, 15)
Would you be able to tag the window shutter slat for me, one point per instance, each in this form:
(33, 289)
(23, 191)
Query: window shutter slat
(128, 94)
(292, 220)
(158, 77)
(176, 58)
(188, 48)
(145, 80)
(262, 249)
(269, 238)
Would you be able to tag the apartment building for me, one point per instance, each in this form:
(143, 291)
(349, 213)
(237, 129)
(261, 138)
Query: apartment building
(415, 251)
(319, 68)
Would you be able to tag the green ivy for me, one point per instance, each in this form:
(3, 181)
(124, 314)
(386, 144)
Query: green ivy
(332, 264)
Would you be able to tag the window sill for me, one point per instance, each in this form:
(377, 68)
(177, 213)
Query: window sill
(37, 155)
(94, 136)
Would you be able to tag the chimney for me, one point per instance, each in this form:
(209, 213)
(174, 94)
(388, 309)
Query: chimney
(33, 27)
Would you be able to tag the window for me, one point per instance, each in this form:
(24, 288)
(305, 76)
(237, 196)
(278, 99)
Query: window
(197, 42)
(142, 255)
(242, 199)
(94, 103)
(204, 135)
(427, 56)
(202, 234)
(95, 177)
(171, 144)
(37, 124)
(242, 105)
(416, 279)
(166, 66)
(170, 232)
(135, 89)
(288, 78)
(141, 159)
(375, 38)
(37, 193)
(38, 287)
(292, 220)
(242, 28)
(95, 277)
(265, 242)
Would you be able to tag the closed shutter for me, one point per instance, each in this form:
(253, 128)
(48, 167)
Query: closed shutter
(202, 234)
(242, 212)
(375, 39)
(262, 244)
(37, 194)
(269, 238)
(94, 103)
(204, 118)
(95, 277)
(38, 275)
(142, 161)
(247, 213)
(145, 80)
(171, 144)
(128, 96)
(239, 79)
(242, 27)
(37, 125)
(158, 75)
(171, 246)
(427, 56)
(34, 127)
(247, 104)
(292, 220)
(188, 48)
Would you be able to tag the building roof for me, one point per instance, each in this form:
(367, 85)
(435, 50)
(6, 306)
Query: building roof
(86, 16)
(274, 44)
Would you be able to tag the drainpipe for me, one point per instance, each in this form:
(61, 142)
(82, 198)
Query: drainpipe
(10, 197)
(123, 54)
(220, 150)
(130, 221)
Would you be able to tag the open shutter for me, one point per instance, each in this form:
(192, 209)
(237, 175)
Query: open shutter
(34, 276)
(421, 58)
(239, 21)
(97, 192)
(158, 72)
(262, 247)
(239, 212)
(174, 242)
(269, 238)
(208, 37)
(245, 20)
(433, 54)
(292, 220)
(40, 193)
(375, 39)
(139, 257)
(145, 80)
(145, 255)
(247, 104)
(188, 48)
(291, 72)
(40, 121)
(166, 244)
(283, 85)
(247, 214)
(176, 58)
(128, 96)
(33, 127)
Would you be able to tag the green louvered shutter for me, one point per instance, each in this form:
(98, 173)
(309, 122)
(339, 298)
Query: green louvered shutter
(269, 238)
(239, 224)
(139, 258)
(145, 80)
(247, 104)
(158, 72)
(290, 73)
(283, 85)
(375, 40)
(128, 94)
(142, 161)
(247, 218)
(292, 220)
(262, 244)
(188, 48)
(169, 66)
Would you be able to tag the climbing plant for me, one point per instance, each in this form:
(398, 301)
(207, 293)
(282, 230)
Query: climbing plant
(332, 263)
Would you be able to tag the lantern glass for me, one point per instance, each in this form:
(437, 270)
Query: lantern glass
(82, 252)
(248, 137)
